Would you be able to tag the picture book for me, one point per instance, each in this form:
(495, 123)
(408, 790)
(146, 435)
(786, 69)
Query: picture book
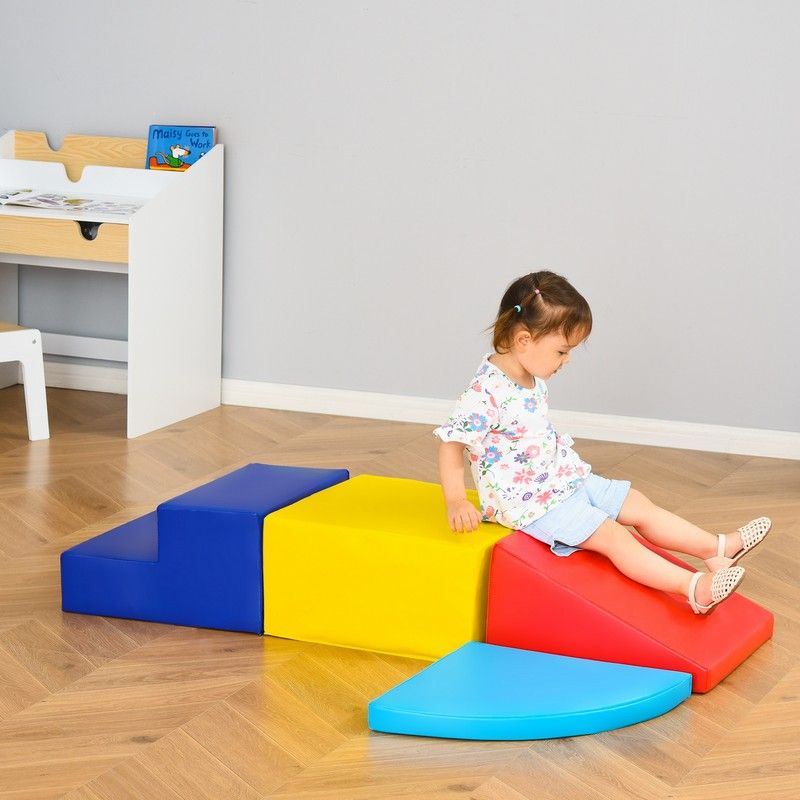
(176, 147)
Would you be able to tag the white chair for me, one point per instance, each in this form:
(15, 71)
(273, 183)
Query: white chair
(25, 345)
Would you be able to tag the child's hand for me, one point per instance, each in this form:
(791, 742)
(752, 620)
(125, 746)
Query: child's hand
(462, 515)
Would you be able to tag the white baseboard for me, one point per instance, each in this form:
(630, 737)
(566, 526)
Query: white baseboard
(603, 427)
(342, 402)
(88, 377)
(374, 405)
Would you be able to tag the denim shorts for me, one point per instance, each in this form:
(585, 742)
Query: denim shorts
(569, 524)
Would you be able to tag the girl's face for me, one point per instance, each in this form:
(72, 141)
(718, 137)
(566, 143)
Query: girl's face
(542, 358)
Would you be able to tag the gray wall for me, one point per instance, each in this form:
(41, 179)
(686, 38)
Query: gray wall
(391, 166)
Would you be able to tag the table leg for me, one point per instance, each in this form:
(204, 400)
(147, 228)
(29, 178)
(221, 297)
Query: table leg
(9, 312)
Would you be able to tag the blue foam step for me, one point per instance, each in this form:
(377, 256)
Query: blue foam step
(196, 560)
(115, 574)
(483, 691)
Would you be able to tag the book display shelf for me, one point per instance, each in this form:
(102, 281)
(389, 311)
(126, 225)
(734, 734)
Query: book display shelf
(170, 249)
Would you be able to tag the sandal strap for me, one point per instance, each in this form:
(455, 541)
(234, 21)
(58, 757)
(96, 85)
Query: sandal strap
(722, 541)
(723, 583)
(692, 587)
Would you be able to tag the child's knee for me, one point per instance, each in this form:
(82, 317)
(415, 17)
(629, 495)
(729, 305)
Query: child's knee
(608, 537)
(635, 509)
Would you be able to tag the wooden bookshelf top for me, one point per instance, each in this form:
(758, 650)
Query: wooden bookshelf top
(79, 151)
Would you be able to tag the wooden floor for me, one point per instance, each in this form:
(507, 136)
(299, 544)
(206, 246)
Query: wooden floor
(105, 709)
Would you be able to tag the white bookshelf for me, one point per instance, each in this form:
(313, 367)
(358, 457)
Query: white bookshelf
(170, 250)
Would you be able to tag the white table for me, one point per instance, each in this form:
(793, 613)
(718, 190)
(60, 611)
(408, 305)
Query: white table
(171, 252)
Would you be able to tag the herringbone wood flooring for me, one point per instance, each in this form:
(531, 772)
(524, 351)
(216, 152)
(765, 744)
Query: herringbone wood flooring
(107, 709)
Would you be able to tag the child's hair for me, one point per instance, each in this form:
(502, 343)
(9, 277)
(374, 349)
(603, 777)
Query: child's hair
(543, 303)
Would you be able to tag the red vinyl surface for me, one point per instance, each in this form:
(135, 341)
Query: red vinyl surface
(583, 606)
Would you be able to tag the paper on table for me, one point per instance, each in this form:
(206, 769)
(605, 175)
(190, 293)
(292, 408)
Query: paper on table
(122, 206)
(9, 195)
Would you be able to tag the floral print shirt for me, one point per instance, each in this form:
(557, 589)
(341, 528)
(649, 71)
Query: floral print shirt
(521, 466)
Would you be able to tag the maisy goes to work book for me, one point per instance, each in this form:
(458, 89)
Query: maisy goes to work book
(177, 147)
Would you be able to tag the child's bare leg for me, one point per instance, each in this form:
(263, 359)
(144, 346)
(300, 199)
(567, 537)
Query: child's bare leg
(641, 564)
(668, 530)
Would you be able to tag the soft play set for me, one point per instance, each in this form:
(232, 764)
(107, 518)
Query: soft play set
(371, 563)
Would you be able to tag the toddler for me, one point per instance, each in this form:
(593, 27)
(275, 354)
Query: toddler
(529, 477)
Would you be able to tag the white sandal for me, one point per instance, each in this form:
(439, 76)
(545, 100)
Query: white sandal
(723, 585)
(752, 534)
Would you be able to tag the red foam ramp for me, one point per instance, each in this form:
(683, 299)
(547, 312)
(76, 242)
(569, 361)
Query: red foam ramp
(582, 606)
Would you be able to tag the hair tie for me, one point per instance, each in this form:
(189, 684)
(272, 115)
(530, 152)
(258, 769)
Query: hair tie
(536, 291)
(518, 309)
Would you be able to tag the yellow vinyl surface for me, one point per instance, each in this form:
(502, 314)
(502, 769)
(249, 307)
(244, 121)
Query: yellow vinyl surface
(371, 563)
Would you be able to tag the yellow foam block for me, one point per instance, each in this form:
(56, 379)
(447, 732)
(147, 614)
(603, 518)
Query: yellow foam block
(371, 563)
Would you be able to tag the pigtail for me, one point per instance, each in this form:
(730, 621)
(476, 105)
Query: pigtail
(543, 302)
(531, 299)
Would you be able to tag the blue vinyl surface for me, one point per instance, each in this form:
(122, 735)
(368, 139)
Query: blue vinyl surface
(483, 691)
(136, 540)
(257, 489)
(196, 560)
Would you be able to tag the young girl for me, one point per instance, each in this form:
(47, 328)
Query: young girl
(529, 477)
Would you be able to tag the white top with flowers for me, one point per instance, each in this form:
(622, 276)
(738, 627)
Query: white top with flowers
(521, 466)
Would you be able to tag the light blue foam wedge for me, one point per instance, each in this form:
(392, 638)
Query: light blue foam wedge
(483, 691)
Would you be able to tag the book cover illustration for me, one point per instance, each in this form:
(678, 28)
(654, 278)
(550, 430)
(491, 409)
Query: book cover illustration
(176, 147)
